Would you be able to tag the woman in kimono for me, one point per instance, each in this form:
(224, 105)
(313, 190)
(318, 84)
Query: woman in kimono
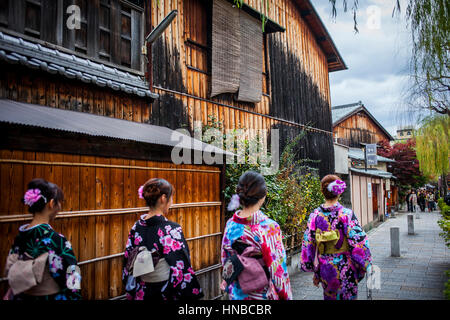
(251, 230)
(38, 244)
(335, 247)
(172, 277)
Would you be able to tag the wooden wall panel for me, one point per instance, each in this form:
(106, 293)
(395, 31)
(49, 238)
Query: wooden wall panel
(96, 183)
(358, 128)
(191, 24)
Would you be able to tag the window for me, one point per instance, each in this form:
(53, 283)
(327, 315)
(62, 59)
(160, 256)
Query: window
(409, 133)
(198, 43)
(196, 28)
(265, 78)
(108, 31)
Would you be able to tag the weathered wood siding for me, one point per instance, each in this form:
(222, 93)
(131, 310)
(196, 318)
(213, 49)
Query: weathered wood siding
(101, 205)
(25, 85)
(357, 129)
(298, 92)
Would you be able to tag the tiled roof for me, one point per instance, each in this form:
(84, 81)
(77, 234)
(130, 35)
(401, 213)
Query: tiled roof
(355, 153)
(375, 173)
(16, 50)
(340, 112)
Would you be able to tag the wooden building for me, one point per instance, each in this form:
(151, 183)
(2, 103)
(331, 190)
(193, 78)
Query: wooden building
(372, 191)
(95, 61)
(353, 124)
(190, 70)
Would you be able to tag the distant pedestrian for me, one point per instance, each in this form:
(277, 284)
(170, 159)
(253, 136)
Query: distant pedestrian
(408, 201)
(41, 264)
(334, 246)
(413, 200)
(430, 198)
(422, 200)
(253, 255)
(157, 264)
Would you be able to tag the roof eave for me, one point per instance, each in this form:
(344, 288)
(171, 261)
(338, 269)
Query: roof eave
(334, 58)
(363, 108)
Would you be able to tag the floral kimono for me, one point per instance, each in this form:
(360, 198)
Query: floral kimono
(167, 238)
(62, 263)
(264, 234)
(339, 273)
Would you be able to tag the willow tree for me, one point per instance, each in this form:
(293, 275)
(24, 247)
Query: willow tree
(433, 146)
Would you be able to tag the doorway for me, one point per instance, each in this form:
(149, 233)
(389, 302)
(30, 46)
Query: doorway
(375, 203)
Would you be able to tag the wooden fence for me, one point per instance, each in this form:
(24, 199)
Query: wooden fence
(101, 205)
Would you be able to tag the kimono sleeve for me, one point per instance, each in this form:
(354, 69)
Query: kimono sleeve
(63, 268)
(359, 245)
(308, 245)
(224, 255)
(128, 248)
(274, 257)
(183, 283)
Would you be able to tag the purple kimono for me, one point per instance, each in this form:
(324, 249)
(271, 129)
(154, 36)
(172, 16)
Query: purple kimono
(339, 273)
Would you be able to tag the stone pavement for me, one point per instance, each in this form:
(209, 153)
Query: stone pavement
(419, 273)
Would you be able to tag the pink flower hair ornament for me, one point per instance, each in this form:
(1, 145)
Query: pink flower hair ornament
(337, 187)
(141, 192)
(32, 196)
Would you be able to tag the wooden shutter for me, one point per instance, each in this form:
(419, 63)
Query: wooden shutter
(225, 48)
(251, 59)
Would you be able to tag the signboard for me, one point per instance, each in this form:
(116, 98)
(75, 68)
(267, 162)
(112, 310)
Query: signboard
(371, 154)
(369, 190)
(388, 184)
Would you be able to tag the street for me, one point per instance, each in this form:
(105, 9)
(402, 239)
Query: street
(419, 273)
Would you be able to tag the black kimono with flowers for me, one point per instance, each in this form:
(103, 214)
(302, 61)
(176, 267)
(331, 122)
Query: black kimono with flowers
(62, 263)
(167, 238)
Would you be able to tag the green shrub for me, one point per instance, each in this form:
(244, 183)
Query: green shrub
(447, 286)
(441, 203)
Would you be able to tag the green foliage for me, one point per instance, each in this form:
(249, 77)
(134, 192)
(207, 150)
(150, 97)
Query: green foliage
(445, 226)
(433, 145)
(447, 286)
(444, 223)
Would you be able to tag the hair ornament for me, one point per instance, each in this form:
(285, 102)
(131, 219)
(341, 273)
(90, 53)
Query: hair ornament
(234, 203)
(141, 192)
(337, 187)
(32, 196)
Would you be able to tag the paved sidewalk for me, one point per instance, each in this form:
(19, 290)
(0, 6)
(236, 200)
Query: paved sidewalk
(418, 274)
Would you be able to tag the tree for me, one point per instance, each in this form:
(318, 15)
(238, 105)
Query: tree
(406, 166)
(429, 26)
(433, 146)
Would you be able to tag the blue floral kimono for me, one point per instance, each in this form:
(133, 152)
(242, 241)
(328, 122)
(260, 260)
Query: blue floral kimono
(264, 234)
(339, 273)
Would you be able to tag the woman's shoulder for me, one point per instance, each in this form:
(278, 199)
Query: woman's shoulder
(264, 220)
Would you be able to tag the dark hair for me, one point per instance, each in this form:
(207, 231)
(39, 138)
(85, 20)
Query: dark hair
(251, 188)
(154, 189)
(48, 190)
(324, 184)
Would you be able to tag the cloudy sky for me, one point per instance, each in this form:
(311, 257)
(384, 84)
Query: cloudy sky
(377, 58)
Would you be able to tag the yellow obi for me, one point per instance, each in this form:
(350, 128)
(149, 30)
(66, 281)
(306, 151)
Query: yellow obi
(327, 240)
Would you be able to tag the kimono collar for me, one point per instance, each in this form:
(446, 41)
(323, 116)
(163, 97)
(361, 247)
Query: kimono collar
(151, 221)
(335, 207)
(24, 228)
(255, 218)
